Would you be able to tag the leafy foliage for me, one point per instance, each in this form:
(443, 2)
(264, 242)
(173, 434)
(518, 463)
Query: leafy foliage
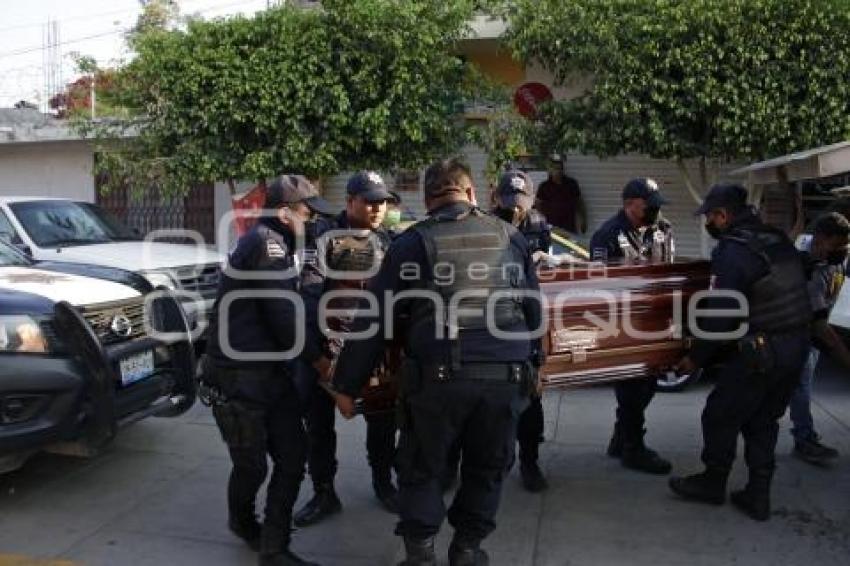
(727, 79)
(372, 83)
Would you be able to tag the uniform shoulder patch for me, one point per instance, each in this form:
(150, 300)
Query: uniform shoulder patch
(274, 249)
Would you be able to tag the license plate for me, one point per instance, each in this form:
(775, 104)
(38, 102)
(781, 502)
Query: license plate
(136, 367)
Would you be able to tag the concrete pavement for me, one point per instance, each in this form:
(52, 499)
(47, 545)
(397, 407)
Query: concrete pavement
(157, 499)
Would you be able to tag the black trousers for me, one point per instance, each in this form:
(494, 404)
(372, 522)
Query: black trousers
(261, 419)
(481, 417)
(529, 435)
(529, 432)
(321, 417)
(750, 403)
(633, 397)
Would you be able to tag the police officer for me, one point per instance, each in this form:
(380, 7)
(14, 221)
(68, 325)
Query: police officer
(513, 200)
(254, 401)
(631, 233)
(365, 209)
(461, 380)
(761, 362)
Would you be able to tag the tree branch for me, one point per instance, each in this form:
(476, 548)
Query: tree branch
(686, 176)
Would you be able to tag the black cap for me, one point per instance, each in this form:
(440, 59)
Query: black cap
(515, 188)
(723, 195)
(644, 188)
(396, 198)
(290, 189)
(369, 185)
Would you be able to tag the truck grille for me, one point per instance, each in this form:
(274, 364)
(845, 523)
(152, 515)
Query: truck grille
(199, 279)
(116, 321)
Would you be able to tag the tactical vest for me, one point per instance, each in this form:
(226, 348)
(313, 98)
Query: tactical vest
(779, 301)
(470, 254)
(536, 230)
(353, 252)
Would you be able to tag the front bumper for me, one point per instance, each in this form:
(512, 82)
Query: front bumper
(79, 398)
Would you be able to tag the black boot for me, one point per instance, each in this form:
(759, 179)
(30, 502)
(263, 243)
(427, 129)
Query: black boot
(615, 446)
(637, 456)
(707, 487)
(754, 500)
(467, 552)
(247, 528)
(325, 503)
(274, 549)
(385, 491)
(419, 551)
(532, 477)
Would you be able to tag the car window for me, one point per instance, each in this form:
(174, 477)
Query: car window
(66, 223)
(8, 233)
(11, 256)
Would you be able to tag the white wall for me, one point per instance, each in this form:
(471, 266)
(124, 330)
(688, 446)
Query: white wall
(47, 169)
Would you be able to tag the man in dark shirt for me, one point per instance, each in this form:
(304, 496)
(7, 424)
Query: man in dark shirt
(825, 252)
(461, 380)
(630, 232)
(256, 330)
(559, 199)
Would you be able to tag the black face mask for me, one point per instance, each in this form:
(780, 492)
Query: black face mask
(713, 230)
(506, 214)
(836, 258)
(650, 215)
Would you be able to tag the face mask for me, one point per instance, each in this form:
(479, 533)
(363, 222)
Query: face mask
(713, 230)
(836, 258)
(505, 214)
(650, 215)
(392, 218)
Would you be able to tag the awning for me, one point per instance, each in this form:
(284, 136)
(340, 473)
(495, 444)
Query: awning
(815, 163)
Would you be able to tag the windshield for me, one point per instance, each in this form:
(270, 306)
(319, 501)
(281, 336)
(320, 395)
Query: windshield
(67, 223)
(11, 256)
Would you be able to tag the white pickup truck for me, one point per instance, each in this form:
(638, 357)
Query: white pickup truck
(52, 229)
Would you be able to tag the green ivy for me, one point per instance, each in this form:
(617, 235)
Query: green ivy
(372, 83)
(680, 79)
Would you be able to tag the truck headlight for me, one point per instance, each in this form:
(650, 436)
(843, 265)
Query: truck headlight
(21, 333)
(160, 279)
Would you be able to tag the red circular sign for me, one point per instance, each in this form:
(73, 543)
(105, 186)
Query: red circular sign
(529, 97)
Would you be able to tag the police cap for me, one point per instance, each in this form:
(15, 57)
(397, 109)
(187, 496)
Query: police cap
(291, 189)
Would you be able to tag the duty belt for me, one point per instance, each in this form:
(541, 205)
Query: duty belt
(482, 371)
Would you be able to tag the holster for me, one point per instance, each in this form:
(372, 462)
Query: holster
(757, 353)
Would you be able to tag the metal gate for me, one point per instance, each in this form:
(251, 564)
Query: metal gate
(150, 210)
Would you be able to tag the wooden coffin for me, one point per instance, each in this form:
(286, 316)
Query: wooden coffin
(605, 323)
(613, 322)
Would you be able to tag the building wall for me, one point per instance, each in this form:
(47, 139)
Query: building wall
(48, 169)
(601, 183)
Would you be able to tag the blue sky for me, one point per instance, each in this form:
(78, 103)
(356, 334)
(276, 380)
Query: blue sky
(90, 27)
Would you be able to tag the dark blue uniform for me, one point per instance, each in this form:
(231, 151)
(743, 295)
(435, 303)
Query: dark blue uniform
(381, 428)
(462, 389)
(633, 395)
(538, 232)
(754, 387)
(605, 243)
(255, 403)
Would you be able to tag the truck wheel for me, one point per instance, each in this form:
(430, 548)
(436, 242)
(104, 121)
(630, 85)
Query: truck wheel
(672, 383)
